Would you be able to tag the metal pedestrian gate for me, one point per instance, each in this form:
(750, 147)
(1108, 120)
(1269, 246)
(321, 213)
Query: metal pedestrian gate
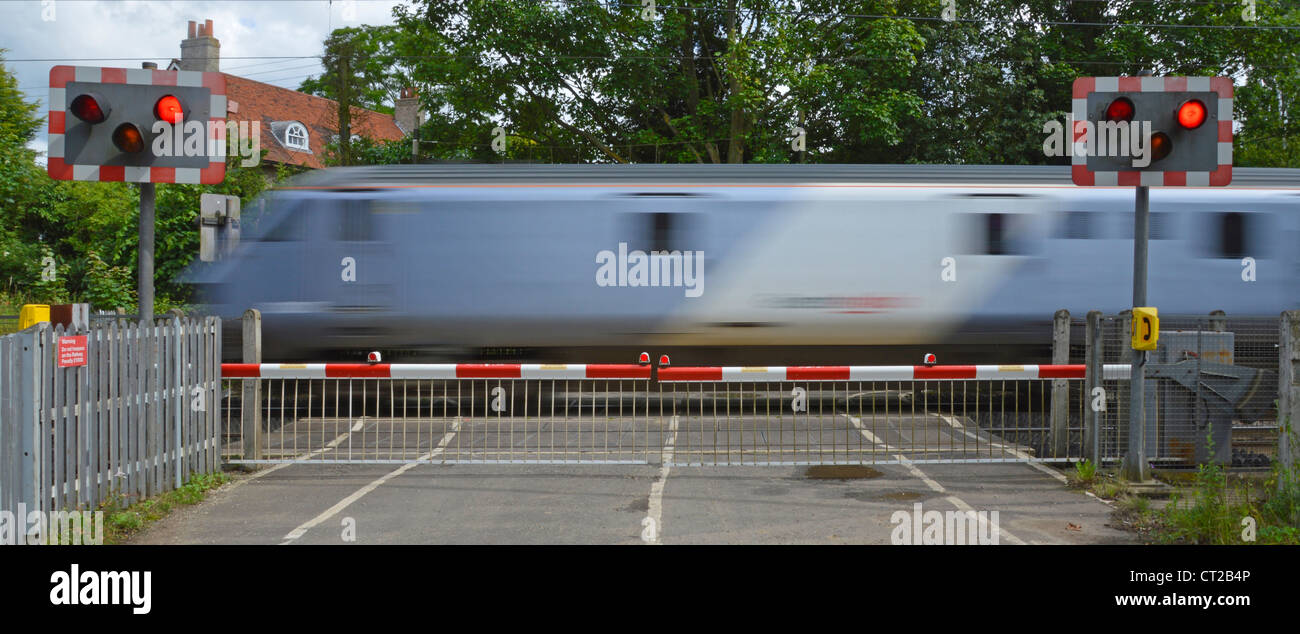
(621, 414)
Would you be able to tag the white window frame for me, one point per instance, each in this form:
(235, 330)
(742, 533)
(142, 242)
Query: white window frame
(289, 136)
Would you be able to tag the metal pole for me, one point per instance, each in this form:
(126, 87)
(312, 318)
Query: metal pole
(1135, 462)
(146, 251)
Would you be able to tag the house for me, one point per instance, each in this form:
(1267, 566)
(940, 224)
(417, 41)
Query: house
(295, 127)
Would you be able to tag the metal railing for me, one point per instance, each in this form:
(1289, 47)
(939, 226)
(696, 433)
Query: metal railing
(616, 414)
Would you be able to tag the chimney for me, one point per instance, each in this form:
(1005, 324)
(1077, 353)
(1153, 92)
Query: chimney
(406, 111)
(201, 51)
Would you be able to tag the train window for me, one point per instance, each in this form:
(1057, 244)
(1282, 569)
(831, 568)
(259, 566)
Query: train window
(661, 231)
(1002, 234)
(1232, 234)
(355, 224)
(1077, 225)
(1160, 225)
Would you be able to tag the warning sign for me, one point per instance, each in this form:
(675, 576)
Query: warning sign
(72, 351)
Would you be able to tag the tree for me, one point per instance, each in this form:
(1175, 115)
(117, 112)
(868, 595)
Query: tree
(724, 80)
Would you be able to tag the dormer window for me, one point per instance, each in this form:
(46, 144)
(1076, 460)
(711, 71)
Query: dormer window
(295, 136)
(292, 135)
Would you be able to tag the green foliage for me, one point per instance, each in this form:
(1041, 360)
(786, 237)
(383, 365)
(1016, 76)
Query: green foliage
(365, 151)
(1085, 472)
(721, 81)
(1207, 517)
(123, 520)
(1215, 508)
(107, 285)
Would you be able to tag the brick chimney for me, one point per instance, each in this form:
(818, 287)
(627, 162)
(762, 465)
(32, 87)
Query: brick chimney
(201, 51)
(406, 111)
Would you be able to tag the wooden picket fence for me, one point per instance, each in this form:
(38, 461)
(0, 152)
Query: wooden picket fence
(138, 418)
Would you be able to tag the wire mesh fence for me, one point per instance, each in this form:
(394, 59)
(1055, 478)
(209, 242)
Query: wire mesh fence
(1211, 390)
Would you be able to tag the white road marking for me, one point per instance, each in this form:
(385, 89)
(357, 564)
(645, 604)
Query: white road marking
(1012, 450)
(347, 501)
(656, 506)
(954, 500)
(871, 438)
(328, 446)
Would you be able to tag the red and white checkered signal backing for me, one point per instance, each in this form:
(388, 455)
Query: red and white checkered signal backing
(1083, 86)
(214, 173)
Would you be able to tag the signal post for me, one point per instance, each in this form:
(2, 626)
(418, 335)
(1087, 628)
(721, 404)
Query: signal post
(1149, 131)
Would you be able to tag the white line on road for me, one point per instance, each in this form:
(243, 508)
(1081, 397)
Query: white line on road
(1012, 450)
(954, 500)
(300, 457)
(347, 501)
(656, 506)
(871, 438)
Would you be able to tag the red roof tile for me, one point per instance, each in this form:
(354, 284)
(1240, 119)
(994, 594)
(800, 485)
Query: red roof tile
(265, 104)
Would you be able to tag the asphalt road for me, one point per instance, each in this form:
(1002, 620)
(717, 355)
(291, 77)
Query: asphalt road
(666, 500)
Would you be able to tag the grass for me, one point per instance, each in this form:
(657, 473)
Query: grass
(1107, 485)
(120, 524)
(1212, 506)
(1217, 509)
(1084, 473)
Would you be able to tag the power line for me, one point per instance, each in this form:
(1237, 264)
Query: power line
(923, 18)
(277, 70)
(147, 58)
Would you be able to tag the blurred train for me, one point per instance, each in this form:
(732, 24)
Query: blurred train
(733, 263)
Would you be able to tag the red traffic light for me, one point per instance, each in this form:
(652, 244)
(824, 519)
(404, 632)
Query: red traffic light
(1120, 110)
(1161, 146)
(127, 138)
(87, 108)
(1191, 114)
(169, 109)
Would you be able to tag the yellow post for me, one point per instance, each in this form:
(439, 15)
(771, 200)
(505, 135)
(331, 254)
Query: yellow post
(32, 314)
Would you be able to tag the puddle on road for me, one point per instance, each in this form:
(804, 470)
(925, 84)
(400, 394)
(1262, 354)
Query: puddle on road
(876, 496)
(841, 472)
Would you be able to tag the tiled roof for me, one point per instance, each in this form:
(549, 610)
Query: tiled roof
(264, 103)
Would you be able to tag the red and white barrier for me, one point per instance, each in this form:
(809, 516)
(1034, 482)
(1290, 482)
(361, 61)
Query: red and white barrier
(1111, 371)
(433, 371)
(885, 373)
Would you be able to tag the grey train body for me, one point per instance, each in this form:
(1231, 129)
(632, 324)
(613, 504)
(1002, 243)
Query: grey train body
(780, 264)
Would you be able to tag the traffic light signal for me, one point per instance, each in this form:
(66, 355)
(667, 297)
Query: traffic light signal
(136, 125)
(1154, 131)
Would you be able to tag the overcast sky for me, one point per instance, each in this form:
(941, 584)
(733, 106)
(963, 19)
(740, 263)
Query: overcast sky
(88, 33)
